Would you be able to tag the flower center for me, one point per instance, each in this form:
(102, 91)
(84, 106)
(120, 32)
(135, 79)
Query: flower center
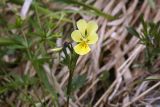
(84, 37)
(84, 44)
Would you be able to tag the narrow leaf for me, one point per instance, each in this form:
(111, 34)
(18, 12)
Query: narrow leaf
(6, 41)
(132, 31)
(87, 6)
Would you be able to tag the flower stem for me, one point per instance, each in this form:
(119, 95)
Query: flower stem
(69, 86)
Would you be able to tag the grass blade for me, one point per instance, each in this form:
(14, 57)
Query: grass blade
(87, 6)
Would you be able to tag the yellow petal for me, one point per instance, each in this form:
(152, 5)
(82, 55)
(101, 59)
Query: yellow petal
(92, 27)
(82, 48)
(91, 39)
(82, 25)
(76, 36)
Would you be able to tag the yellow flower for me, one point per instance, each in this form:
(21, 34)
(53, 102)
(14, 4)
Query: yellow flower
(85, 36)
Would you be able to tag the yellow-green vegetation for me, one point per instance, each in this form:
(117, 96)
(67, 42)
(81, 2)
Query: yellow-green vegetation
(79, 53)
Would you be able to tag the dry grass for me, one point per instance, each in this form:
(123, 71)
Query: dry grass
(116, 52)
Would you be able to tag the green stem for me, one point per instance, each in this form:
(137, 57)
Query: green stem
(69, 87)
(148, 59)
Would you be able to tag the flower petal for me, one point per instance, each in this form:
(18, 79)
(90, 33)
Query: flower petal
(82, 48)
(91, 39)
(92, 27)
(82, 25)
(76, 36)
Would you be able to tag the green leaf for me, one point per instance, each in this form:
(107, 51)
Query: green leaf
(17, 82)
(154, 77)
(42, 10)
(6, 41)
(43, 77)
(78, 82)
(156, 51)
(87, 6)
(132, 31)
(145, 25)
(104, 76)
